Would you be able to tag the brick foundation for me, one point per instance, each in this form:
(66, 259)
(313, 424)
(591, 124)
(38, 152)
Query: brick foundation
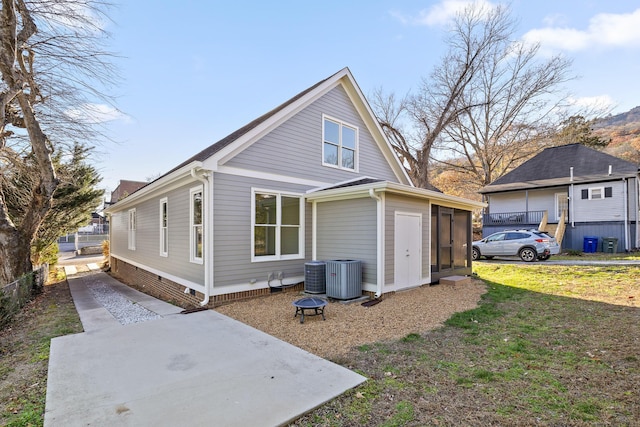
(170, 291)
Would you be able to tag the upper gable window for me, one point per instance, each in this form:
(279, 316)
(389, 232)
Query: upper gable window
(340, 144)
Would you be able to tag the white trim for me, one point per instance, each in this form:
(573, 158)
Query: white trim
(229, 170)
(395, 188)
(557, 205)
(192, 252)
(179, 280)
(592, 189)
(314, 230)
(380, 240)
(372, 124)
(132, 219)
(346, 80)
(244, 141)
(164, 230)
(164, 183)
(206, 177)
(215, 162)
(356, 150)
(625, 199)
(263, 284)
(278, 225)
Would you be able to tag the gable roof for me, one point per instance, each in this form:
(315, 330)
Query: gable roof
(367, 187)
(554, 166)
(224, 142)
(224, 149)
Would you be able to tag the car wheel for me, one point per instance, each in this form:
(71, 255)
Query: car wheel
(528, 254)
(475, 254)
(544, 257)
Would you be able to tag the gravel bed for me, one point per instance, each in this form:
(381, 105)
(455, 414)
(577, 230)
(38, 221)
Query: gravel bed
(125, 311)
(351, 325)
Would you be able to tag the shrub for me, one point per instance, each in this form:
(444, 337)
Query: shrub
(105, 248)
(42, 253)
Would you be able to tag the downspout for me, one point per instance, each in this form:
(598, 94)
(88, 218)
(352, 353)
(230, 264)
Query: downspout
(573, 224)
(207, 235)
(314, 230)
(379, 242)
(625, 191)
(637, 211)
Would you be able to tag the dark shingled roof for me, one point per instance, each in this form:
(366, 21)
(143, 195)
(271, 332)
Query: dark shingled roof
(217, 146)
(552, 167)
(361, 181)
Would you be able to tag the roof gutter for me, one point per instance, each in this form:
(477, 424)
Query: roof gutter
(379, 241)
(148, 190)
(207, 236)
(364, 191)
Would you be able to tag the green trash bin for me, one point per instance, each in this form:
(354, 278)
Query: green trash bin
(610, 245)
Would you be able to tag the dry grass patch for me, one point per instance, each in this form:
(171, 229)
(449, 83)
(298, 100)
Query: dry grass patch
(24, 353)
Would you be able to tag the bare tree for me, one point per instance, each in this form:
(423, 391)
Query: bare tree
(441, 98)
(514, 104)
(53, 71)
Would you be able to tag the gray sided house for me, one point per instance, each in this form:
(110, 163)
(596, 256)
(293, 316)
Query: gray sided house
(592, 194)
(313, 179)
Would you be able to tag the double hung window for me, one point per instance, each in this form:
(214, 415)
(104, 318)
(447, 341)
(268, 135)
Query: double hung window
(164, 227)
(196, 238)
(277, 226)
(340, 144)
(131, 230)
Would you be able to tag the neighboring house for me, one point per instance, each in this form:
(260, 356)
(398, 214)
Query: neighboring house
(597, 192)
(97, 225)
(124, 189)
(313, 179)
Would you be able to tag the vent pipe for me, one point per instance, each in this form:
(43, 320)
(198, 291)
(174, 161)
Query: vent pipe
(571, 174)
(609, 170)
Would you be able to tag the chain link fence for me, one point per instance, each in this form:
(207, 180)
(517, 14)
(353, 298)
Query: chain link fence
(16, 294)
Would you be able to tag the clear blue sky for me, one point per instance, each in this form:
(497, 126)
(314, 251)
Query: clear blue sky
(195, 71)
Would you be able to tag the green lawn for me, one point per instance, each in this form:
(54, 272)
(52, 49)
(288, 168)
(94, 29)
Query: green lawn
(548, 345)
(24, 354)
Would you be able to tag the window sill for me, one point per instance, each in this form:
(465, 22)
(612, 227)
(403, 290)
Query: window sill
(328, 165)
(276, 258)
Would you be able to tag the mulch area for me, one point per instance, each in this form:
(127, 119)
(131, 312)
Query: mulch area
(351, 325)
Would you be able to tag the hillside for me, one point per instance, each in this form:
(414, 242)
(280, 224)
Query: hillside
(624, 132)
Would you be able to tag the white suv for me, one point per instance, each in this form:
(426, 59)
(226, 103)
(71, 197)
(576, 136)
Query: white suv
(529, 245)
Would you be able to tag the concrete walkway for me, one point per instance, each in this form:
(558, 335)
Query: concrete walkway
(198, 369)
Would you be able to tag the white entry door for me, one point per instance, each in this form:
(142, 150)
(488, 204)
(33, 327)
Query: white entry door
(408, 250)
